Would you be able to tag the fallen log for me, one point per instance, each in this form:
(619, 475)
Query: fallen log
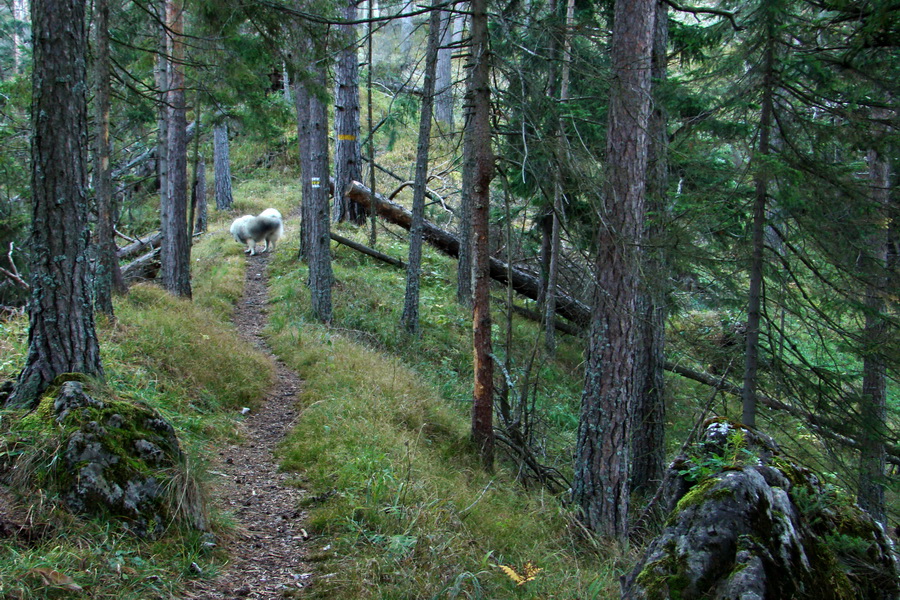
(141, 244)
(524, 283)
(142, 268)
(368, 251)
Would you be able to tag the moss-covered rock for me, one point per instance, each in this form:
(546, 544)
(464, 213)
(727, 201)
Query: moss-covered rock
(761, 527)
(108, 457)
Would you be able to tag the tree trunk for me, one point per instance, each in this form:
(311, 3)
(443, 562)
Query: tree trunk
(301, 104)
(286, 84)
(648, 442)
(176, 250)
(602, 453)
(315, 209)
(108, 276)
(410, 317)
(761, 182)
(222, 167)
(61, 335)
(20, 15)
(558, 197)
(195, 176)
(162, 119)
(373, 231)
(464, 263)
(200, 197)
(407, 27)
(873, 403)
(478, 163)
(347, 152)
(443, 83)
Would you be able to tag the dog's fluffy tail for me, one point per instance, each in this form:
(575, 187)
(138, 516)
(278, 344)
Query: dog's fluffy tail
(271, 225)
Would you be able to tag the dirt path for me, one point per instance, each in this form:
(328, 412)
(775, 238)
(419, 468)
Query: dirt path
(269, 546)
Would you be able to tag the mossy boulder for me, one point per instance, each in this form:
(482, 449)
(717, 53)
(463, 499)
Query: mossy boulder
(113, 458)
(747, 523)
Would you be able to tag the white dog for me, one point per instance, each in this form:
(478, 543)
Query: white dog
(251, 230)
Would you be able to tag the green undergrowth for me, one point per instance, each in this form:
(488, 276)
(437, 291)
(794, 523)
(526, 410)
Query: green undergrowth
(398, 504)
(179, 357)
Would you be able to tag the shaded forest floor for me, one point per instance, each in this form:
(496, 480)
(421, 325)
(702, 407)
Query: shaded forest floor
(268, 546)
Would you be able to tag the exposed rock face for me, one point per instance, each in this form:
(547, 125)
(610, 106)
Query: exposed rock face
(749, 524)
(116, 458)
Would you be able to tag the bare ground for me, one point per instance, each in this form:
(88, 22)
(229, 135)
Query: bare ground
(268, 549)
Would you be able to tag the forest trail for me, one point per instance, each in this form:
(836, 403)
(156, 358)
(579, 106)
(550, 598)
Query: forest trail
(268, 547)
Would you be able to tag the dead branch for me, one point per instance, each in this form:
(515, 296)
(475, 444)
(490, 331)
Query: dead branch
(125, 237)
(139, 245)
(13, 275)
(368, 251)
(549, 477)
(142, 268)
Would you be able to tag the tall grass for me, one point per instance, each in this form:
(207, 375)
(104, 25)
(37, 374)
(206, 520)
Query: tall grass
(185, 360)
(397, 497)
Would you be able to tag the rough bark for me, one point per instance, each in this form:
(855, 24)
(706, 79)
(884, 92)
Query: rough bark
(301, 104)
(61, 335)
(464, 264)
(524, 283)
(648, 440)
(108, 277)
(602, 453)
(478, 164)
(347, 151)
(410, 317)
(316, 209)
(222, 167)
(175, 254)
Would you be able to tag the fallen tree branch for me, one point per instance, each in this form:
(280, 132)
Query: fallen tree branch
(524, 283)
(549, 477)
(368, 251)
(14, 274)
(142, 268)
(124, 236)
(139, 245)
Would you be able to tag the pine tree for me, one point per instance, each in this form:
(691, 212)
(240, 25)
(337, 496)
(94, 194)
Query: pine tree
(61, 335)
(602, 461)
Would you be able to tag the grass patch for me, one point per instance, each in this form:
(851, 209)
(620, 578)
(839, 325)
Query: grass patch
(183, 359)
(399, 500)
